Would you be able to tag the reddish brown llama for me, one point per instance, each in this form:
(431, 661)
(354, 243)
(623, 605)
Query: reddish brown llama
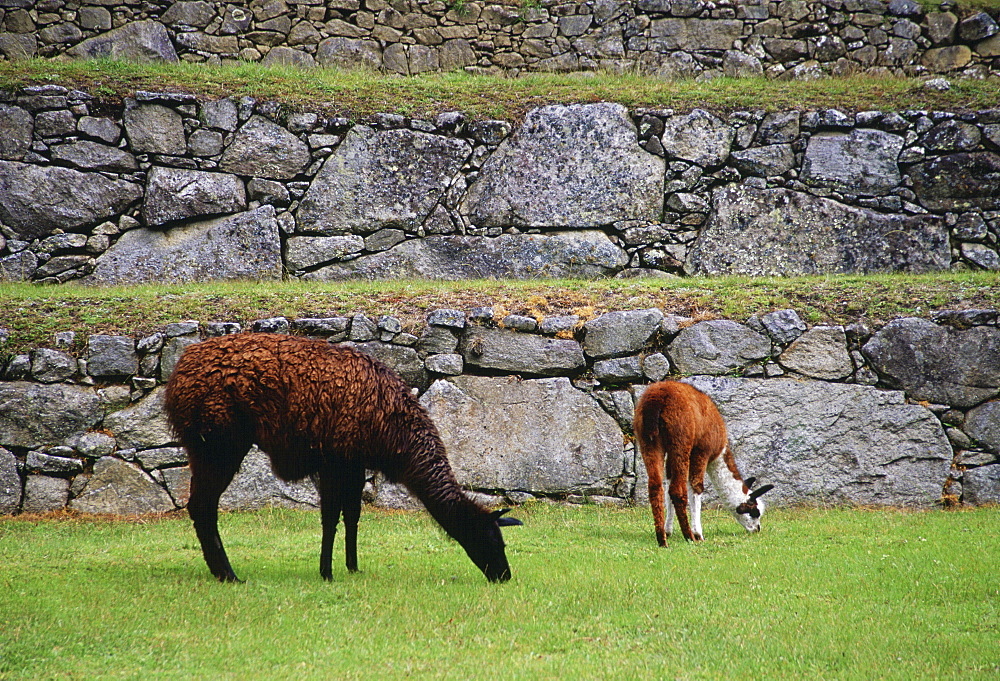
(322, 411)
(681, 436)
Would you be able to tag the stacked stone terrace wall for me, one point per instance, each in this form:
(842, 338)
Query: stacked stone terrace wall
(666, 38)
(540, 407)
(168, 187)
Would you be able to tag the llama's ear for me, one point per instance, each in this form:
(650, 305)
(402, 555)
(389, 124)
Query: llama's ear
(760, 491)
(750, 482)
(504, 522)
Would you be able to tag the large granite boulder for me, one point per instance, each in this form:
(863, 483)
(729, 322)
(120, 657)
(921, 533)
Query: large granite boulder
(379, 179)
(699, 137)
(717, 347)
(262, 148)
(144, 41)
(940, 364)
(10, 483)
(16, 128)
(779, 232)
(861, 162)
(37, 416)
(241, 246)
(540, 435)
(568, 166)
(585, 254)
(178, 194)
(614, 334)
(510, 351)
(35, 201)
(832, 443)
(256, 486)
(155, 129)
(958, 182)
(142, 425)
(121, 488)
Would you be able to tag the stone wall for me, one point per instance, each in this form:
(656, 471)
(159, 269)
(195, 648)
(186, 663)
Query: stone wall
(664, 38)
(904, 415)
(168, 187)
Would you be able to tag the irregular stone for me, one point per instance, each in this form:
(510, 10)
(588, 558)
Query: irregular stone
(783, 326)
(10, 483)
(939, 364)
(717, 347)
(540, 435)
(16, 129)
(585, 254)
(111, 356)
(449, 364)
(958, 182)
(35, 201)
(615, 334)
(573, 166)
(768, 161)
(172, 351)
(349, 53)
(177, 194)
(43, 493)
(88, 155)
(981, 486)
(944, 59)
(241, 246)
(403, 360)
(820, 352)
(34, 416)
(381, 179)
(515, 352)
(255, 486)
(142, 425)
(143, 41)
(57, 465)
(307, 251)
(618, 370)
(50, 366)
(265, 149)
(695, 35)
(155, 129)
(832, 443)
(983, 424)
(861, 162)
(92, 445)
(121, 488)
(699, 137)
(778, 232)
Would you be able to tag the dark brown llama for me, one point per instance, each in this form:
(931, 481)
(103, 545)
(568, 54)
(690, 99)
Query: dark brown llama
(681, 435)
(323, 411)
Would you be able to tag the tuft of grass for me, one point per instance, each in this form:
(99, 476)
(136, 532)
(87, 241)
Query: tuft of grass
(33, 314)
(819, 593)
(357, 94)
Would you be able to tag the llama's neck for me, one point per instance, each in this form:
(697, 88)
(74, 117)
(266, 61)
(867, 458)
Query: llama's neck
(728, 485)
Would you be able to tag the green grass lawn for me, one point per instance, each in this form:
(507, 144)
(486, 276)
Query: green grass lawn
(819, 594)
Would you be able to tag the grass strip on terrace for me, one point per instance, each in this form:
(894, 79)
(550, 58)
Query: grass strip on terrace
(358, 94)
(32, 313)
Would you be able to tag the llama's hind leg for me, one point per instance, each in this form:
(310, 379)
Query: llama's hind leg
(214, 461)
(354, 484)
(330, 504)
(654, 473)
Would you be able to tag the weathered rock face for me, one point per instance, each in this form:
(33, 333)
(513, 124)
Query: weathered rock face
(587, 255)
(176, 194)
(255, 486)
(717, 347)
(33, 415)
(262, 148)
(981, 485)
(620, 333)
(16, 129)
(142, 425)
(35, 201)
(827, 443)
(938, 363)
(959, 182)
(862, 161)
(819, 353)
(241, 246)
(699, 137)
(507, 350)
(782, 232)
(540, 434)
(10, 483)
(121, 487)
(568, 166)
(143, 41)
(380, 179)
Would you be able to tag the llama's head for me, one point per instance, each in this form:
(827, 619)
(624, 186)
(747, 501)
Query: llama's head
(749, 512)
(485, 545)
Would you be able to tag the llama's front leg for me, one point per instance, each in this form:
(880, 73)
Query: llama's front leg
(354, 484)
(330, 502)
